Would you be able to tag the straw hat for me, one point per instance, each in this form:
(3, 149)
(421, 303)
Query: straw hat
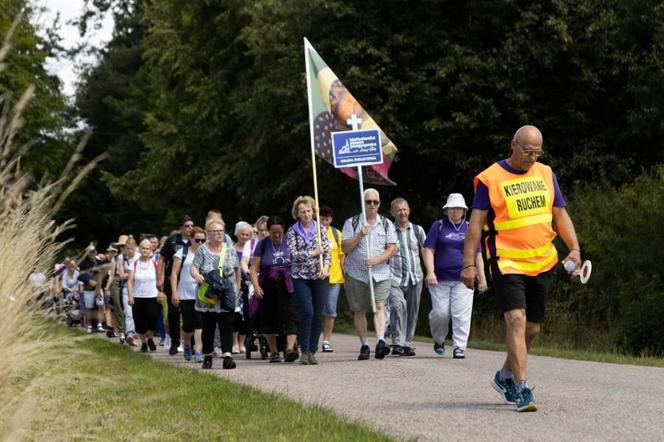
(122, 240)
(455, 200)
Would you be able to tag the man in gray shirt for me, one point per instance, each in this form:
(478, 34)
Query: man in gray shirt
(368, 245)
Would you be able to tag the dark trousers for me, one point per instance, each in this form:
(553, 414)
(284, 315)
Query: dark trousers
(213, 320)
(173, 317)
(146, 314)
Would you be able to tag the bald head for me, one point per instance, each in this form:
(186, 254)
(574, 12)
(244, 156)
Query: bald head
(528, 135)
(526, 147)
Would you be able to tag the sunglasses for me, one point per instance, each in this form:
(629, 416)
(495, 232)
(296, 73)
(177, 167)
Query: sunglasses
(199, 240)
(217, 231)
(188, 226)
(528, 152)
(372, 202)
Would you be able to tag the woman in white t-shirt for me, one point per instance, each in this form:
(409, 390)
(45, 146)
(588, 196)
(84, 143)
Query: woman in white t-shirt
(184, 295)
(144, 297)
(69, 285)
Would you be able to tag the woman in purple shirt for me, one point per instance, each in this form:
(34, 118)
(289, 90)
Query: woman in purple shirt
(271, 277)
(443, 259)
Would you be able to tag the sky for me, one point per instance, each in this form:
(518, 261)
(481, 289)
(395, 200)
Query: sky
(66, 68)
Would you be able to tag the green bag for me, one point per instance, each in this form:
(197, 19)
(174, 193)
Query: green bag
(203, 288)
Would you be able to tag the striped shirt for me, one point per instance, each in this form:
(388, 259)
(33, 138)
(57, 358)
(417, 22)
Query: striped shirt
(380, 236)
(205, 261)
(405, 264)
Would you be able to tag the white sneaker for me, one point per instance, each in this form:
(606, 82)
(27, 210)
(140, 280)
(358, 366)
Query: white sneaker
(88, 329)
(100, 328)
(181, 348)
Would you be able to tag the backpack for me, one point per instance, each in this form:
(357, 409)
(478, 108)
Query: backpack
(419, 234)
(154, 263)
(185, 250)
(336, 234)
(355, 221)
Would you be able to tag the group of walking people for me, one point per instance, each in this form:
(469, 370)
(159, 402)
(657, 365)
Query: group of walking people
(284, 281)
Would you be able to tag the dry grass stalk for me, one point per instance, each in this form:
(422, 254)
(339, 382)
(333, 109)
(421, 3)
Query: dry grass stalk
(28, 244)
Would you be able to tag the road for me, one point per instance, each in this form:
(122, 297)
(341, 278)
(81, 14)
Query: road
(439, 398)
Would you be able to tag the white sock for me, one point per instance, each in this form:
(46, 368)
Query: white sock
(365, 341)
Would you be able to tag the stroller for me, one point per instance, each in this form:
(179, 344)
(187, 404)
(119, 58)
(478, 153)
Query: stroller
(70, 312)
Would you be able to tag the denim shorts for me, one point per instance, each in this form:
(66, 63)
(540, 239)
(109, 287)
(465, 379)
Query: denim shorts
(89, 300)
(330, 308)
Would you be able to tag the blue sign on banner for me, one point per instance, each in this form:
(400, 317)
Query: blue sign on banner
(352, 148)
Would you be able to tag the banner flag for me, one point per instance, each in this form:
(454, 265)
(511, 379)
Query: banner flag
(330, 105)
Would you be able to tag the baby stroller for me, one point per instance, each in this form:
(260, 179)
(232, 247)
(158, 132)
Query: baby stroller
(71, 311)
(255, 341)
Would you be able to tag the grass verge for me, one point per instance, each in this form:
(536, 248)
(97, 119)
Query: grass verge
(102, 391)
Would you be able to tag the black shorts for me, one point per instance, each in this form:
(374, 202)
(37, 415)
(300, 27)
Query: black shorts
(521, 292)
(191, 319)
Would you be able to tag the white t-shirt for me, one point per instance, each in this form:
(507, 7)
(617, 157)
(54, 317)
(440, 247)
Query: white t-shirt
(187, 285)
(248, 249)
(70, 284)
(145, 279)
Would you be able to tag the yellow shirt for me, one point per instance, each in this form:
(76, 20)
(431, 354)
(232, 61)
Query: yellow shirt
(336, 272)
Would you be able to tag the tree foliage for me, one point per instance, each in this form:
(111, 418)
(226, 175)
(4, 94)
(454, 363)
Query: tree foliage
(47, 119)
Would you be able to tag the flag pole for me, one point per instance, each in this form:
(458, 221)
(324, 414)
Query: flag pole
(307, 45)
(364, 220)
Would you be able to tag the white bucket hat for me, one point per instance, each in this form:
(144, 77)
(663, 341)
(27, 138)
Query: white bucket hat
(455, 200)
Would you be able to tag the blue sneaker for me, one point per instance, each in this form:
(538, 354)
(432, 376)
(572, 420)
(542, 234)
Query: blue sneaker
(439, 348)
(187, 354)
(506, 388)
(525, 401)
(198, 357)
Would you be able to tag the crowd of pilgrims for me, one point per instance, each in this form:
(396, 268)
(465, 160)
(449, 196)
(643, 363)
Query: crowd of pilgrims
(207, 291)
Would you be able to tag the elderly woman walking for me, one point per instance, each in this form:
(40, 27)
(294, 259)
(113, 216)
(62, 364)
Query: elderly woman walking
(310, 264)
(443, 259)
(144, 297)
(216, 255)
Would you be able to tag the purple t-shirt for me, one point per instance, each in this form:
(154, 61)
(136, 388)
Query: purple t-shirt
(271, 255)
(481, 198)
(446, 241)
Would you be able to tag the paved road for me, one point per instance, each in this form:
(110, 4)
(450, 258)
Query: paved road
(438, 398)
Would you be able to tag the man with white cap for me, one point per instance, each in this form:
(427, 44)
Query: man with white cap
(443, 260)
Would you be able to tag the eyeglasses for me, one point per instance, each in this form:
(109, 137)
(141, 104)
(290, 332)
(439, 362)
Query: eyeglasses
(199, 240)
(216, 231)
(372, 202)
(188, 226)
(528, 152)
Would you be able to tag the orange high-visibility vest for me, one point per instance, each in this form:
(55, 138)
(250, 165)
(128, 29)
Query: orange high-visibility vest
(521, 229)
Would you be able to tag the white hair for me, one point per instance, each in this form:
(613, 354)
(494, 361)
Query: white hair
(240, 226)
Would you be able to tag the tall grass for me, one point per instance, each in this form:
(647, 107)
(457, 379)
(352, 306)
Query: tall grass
(28, 245)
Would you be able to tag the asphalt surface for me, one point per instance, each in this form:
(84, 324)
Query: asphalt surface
(429, 397)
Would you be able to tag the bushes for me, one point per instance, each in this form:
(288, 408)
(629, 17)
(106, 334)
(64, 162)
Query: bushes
(620, 231)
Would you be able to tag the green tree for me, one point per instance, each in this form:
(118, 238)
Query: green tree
(47, 119)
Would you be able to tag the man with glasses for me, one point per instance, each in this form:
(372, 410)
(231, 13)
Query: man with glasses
(368, 245)
(518, 202)
(172, 244)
